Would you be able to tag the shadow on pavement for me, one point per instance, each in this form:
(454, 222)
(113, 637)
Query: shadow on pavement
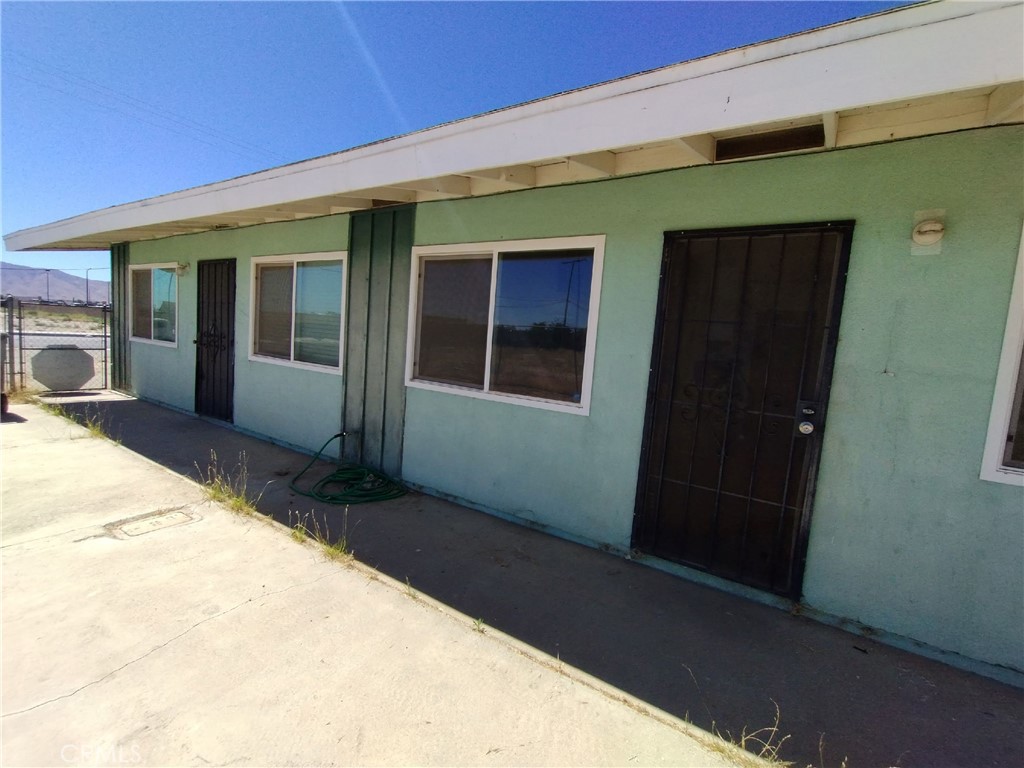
(695, 652)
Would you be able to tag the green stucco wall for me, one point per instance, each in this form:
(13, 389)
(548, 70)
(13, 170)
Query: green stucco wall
(297, 406)
(905, 537)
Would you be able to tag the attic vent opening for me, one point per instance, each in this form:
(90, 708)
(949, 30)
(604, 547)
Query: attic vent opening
(771, 142)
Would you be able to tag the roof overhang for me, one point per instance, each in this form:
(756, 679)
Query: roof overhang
(926, 69)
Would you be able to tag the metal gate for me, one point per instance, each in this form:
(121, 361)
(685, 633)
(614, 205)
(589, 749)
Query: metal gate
(215, 340)
(55, 346)
(741, 366)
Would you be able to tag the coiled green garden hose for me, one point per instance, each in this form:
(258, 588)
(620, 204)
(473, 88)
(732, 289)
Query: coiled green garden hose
(355, 483)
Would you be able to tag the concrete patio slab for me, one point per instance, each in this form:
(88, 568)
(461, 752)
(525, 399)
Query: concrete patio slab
(145, 625)
(693, 652)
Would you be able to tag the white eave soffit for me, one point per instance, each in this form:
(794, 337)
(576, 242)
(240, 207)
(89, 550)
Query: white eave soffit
(954, 65)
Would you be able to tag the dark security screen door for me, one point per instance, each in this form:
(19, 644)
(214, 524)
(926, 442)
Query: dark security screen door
(742, 359)
(215, 340)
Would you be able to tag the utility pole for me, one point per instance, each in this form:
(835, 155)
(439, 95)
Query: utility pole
(87, 284)
(47, 285)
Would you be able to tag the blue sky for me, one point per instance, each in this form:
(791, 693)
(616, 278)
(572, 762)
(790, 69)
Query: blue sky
(105, 103)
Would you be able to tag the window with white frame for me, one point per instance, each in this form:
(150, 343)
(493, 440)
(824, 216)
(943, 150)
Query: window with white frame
(507, 320)
(1013, 452)
(1004, 450)
(154, 302)
(297, 306)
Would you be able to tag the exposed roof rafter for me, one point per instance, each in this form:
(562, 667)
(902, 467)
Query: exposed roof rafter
(597, 164)
(505, 179)
(830, 122)
(698, 149)
(1005, 104)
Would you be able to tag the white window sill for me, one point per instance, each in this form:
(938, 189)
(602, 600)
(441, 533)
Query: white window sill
(155, 342)
(1007, 388)
(329, 369)
(576, 409)
(1005, 475)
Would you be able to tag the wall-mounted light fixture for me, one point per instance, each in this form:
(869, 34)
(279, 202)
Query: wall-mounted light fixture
(182, 268)
(928, 232)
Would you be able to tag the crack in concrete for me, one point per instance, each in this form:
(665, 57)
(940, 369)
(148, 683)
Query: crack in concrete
(164, 644)
(50, 536)
(108, 527)
(147, 515)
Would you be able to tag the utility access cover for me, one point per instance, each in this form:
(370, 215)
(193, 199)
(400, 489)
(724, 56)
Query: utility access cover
(154, 521)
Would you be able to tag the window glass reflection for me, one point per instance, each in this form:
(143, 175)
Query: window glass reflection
(318, 287)
(455, 294)
(142, 304)
(165, 295)
(274, 311)
(542, 303)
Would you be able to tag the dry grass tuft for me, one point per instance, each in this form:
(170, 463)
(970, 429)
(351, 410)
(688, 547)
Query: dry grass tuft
(307, 527)
(229, 487)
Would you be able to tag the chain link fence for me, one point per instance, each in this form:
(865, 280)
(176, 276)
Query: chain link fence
(54, 346)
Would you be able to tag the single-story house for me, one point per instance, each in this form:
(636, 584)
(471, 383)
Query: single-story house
(756, 318)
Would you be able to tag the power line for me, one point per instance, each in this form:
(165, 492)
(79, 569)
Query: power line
(114, 108)
(53, 269)
(75, 79)
(252, 151)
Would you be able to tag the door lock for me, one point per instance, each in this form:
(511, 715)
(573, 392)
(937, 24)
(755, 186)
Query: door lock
(807, 410)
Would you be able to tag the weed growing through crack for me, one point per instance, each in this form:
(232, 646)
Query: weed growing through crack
(94, 421)
(409, 590)
(229, 487)
(337, 551)
(298, 531)
(764, 743)
(24, 396)
(53, 410)
(96, 424)
(478, 626)
(308, 526)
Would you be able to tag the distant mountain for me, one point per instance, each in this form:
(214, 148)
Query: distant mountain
(32, 283)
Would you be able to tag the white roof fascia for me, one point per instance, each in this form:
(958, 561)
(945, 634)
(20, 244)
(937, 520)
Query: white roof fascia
(898, 55)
